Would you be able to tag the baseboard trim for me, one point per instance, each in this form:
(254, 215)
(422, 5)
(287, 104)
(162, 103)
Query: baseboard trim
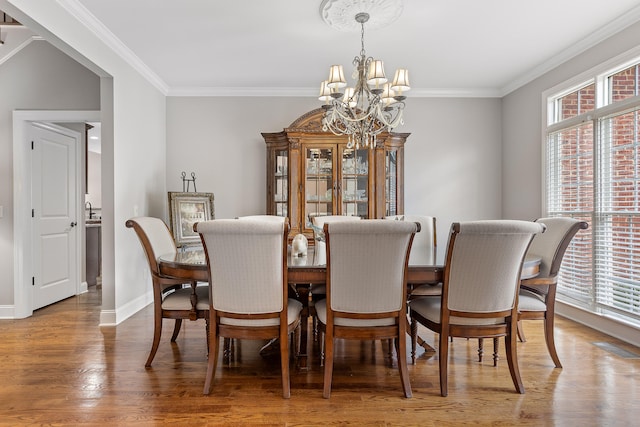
(115, 317)
(7, 312)
(599, 322)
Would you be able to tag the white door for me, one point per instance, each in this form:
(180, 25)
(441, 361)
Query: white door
(54, 210)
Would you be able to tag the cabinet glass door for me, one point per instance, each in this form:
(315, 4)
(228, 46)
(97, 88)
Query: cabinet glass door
(355, 183)
(318, 185)
(391, 182)
(281, 188)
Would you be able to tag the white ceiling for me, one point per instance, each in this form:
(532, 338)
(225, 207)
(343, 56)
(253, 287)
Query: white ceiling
(256, 47)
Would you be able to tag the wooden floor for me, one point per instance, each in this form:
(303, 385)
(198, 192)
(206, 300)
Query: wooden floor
(60, 368)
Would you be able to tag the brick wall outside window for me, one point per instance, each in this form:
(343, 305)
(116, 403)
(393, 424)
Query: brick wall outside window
(593, 174)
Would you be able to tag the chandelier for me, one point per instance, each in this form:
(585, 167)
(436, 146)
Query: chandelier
(372, 106)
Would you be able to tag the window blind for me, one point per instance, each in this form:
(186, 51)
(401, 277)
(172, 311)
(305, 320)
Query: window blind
(570, 192)
(617, 236)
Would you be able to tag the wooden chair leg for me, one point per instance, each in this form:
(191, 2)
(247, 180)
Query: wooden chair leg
(548, 336)
(414, 340)
(521, 332)
(321, 348)
(401, 351)
(496, 346)
(227, 349)
(176, 330)
(298, 339)
(328, 364)
(157, 332)
(284, 362)
(207, 332)
(480, 349)
(212, 362)
(444, 359)
(512, 359)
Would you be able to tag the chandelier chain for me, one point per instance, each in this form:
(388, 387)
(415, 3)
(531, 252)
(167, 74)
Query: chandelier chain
(362, 51)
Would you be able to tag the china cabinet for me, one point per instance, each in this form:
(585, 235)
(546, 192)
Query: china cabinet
(311, 172)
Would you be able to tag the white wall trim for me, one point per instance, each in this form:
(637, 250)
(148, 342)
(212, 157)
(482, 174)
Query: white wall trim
(110, 317)
(7, 312)
(18, 48)
(22, 120)
(306, 92)
(78, 11)
(596, 37)
(599, 322)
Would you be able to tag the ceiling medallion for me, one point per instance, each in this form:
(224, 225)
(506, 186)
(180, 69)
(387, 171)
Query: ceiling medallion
(340, 14)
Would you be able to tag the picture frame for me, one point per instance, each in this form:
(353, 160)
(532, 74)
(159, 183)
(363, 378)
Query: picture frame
(185, 209)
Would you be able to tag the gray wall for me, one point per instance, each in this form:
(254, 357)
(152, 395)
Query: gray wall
(453, 156)
(522, 126)
(39, 77)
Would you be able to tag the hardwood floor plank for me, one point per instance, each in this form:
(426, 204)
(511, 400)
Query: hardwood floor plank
(61, 368)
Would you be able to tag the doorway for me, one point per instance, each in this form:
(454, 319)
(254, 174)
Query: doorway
(93, 206)
(24, 264)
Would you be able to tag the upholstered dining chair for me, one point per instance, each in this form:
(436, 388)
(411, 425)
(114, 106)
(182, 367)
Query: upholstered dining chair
(423, 252)
(319, 290)
(318, 222)
(480, 289)
(537, 295)
(367, 265)
(247, 262)
(274, 218)
(171, 300)
(423, 248)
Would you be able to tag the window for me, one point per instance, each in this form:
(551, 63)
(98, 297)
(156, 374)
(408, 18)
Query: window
(593, 174)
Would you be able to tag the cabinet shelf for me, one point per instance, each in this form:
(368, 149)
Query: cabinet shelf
(318, 162)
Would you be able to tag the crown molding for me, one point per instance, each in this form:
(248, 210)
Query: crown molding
(5, 57)
(97, 28)
(86, 18)
(313, 92)
(596, 37)
(243, 91)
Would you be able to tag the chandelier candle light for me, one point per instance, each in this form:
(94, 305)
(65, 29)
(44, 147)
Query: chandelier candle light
(371, 107)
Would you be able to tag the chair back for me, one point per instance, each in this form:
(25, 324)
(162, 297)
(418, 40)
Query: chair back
(367, 264)
(551, 245)
(273, 218)
(424, 246)
(247, 264)
(318, 222)
(484, 262)
(155, 237)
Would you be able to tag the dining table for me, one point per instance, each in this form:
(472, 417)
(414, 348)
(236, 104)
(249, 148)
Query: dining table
(303, 273)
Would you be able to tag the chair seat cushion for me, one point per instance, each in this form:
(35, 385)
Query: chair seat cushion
(320, 289)
(530, 301)
(426, 290)
(429, 308)
(321, 312)
(181, 299)
(294, 307)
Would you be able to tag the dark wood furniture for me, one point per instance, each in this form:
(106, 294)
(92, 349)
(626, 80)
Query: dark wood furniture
(312, 172)
(250, 296)
(479, 292)
(537, 296)
(170, 299)
(366, 296)
(301, 275)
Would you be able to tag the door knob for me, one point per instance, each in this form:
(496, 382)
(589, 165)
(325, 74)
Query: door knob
(73, 223)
